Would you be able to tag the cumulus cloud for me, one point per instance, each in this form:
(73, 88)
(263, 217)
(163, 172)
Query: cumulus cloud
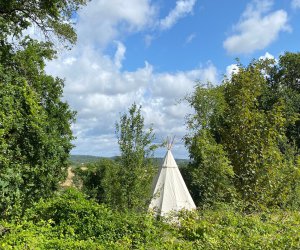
(102, 21)
(295, 4)
(99, 90)
(183, 8)
(176, 85)
(257, 28)
(267, 55)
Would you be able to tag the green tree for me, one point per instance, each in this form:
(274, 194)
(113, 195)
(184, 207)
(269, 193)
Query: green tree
(246, 123)
(99, 180)
(210, 172)
(135, 172)
(252, 137)
(35, 134)
(51, 17)
(283, 83)
(35, 137)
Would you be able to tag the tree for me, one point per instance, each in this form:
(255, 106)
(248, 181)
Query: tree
(283, 83)
(246, 122)
(51, 17)
(135, 172)
(99, 181)
(35, 133)
(252, 136)
(210, 172)
(35, 129)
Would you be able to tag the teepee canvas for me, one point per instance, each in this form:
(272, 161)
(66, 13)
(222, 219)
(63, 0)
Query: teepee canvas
(169, 191)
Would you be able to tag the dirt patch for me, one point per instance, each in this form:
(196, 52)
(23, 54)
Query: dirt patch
(83, 168)
(69, 181)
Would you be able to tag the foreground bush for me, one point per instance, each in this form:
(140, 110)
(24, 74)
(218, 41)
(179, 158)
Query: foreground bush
(69, 221)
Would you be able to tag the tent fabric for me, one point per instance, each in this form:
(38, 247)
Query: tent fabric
(169, 190)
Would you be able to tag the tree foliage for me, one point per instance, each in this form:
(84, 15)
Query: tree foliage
(35, 134)
(210, 172)
(135, 172)
(51, 17)
(254, 138)
(70, 221)
(123, 183)
(252, 118)
(99, 181)
(283, 83)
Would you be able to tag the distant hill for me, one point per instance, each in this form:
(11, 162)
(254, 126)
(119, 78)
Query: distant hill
(76, 160)
(83, 159)
(180, 162)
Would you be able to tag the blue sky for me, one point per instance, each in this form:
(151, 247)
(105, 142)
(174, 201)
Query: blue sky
(152, 52)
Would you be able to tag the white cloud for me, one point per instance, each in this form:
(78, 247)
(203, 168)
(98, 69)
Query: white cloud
(102, 21)
(295, 4)
(176, 85)
(183, 8)
(257, 28)
(69, 60)
(120, 54)
(231, 69)
(99, 90)
(267, 55)
(97, 145)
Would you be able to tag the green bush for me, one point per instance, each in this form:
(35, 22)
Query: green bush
(75, 217)
(70, 221)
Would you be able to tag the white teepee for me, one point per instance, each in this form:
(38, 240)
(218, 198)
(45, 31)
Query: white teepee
(169, 191)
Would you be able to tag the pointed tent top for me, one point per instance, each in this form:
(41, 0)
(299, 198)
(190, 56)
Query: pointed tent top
(170, 142)
(169, 161)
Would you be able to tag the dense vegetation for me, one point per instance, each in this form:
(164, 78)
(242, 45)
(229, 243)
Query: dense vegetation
(35, 134)
(70, 221)
(243, 140)
(244, 136)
